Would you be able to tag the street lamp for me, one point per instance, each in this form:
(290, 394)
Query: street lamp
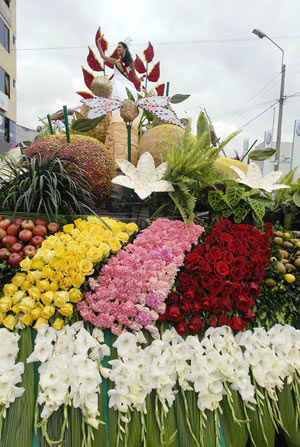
(261, 34)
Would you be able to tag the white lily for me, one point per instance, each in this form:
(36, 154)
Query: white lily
(255, 179)
(145, 178)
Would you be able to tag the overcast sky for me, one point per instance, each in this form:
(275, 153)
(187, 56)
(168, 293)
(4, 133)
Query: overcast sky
(206, 49)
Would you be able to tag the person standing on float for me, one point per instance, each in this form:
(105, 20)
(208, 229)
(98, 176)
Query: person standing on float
(122, 67)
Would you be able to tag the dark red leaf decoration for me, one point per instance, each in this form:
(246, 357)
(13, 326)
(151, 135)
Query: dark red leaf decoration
(111, 77)
(139, 65)
(103, 43)
(154, 74)
(114, 55)
(88, 77)
(149, 53)
(86, 95)
(136, 83)
(93, 62)
(160, 89)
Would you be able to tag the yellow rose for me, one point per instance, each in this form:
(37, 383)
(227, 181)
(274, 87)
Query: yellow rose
(114, 244)
(2, 317)
(10, 289)
(18, 296)
(58, 234)
(47, 312)
(84, 236)
(61, 298)
(95, 229)
(36, 311)
(53, 263)
(131, 228)
(9, 322)
(105, 248)
(72, 246)
(25, 265)
(37, 264)
(59, 251)
(56, 276)
(16, 309)
(66, 310)
(34, 292)
(5, 303)
(81, 224)
(94, 254)
(61, 265)
(71, 271)
(53, 286)
(47, 271)
(75, 233)
(45, 254)
(47, 297)
(27, 319)
(58, 324)
(68, 228)
(107, 234)
(39, 321)
(26, 285)
(117, 227)
(34, 275)
(47, 244)
(27, 304)
(43, 285)
(97, 239)
(75, 295)
(86, 267)
(93, 220)
(18, 279)
(65, 238)
(65, 283)
(123, 237)
(77, 279)
(74, 262)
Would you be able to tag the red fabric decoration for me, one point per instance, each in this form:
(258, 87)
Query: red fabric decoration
(93, 62)
(160, 89)
(114, 55)
(86, 95)
(139, 65)
(154, 74)
(103, 43)
(149, 53)
(88, 77)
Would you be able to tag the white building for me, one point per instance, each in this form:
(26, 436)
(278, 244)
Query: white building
(285, 158)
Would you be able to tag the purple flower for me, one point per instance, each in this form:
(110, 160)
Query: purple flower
(153, 300)
(164, 253)
(143, 318)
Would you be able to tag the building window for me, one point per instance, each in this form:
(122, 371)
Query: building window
(14, 83)
(14, 40)
(4, 35)
(4, 128)
(4, 82)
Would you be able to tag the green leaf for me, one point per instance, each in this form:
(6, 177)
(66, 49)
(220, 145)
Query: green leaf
(288, 178)
(134, 430)
(258, 427)
(130, 95)
(296, 198)
(257, 207)
(287, 406)
(86, 124)
(214, 199)
(202, 127)
(176, 99)
(152, 430)
(233, 195)
(235, 435)
(261, 154)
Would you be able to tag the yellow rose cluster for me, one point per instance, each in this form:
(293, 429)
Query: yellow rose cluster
(49, 284)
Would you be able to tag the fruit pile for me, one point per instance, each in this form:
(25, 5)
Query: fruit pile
(21, 238)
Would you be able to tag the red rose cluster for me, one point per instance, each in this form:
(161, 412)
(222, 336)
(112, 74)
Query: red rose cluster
(220, 278)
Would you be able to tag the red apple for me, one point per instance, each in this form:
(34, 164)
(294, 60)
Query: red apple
(5, 223)
(17, 247)
(2, 218)
(29, 250)
(9, 240)
(18, 220)
(39, 230)
(15, 259)
(2, 233)
(53, 227)
(13, 229)
(4, 253)
(40, 221)
(37, 241)
(25, 235)
(27, 224)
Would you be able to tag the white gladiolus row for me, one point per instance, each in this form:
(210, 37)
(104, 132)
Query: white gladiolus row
(70, 372)
(10, 371)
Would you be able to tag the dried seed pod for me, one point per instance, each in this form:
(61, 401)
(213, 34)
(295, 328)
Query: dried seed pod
(129, 111)
(270, 282)
(283, 254)
(278, 233)
(288, 244)
(281, 267)
(278, 240)
(289, 266)
(297, 262)
(101, 86)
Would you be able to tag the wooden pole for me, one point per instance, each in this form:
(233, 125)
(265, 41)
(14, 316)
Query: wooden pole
(67, 124)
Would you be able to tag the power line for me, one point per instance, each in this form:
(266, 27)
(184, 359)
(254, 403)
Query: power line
(257, 116)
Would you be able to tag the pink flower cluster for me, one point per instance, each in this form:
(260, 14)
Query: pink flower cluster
(133, 285)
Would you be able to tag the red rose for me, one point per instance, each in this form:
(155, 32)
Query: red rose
(188, 296)
(239, 261)
(199, 294)
(221, 268)
(184, 277)
(206, 303)
(223, 320)
(204, 267)
(216, 286)
(217, 305)
(173, 313)
(225, 237)
(227, 288)
(231, 248)
(209, 257)
(237, 323)
(199, 250)
(192, 258)
(195, 325)
(236, 289)
(181, 327)
(216, 252)
(237, 273)
(193, 284)
(206, 246)
(213, 321)
(173, 297)
(243, 303)
(242, 251)
(162, 318)
(227, 304)
(206, 282)
(197, 307)
(185, 307)
(254, 290)
(249, 316)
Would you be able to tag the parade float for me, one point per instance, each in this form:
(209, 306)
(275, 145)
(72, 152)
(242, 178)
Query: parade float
(176, 326)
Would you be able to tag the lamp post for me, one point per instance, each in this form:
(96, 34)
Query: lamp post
(261, 34)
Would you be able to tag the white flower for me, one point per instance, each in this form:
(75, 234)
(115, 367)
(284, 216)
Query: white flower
(126, 344)
(255, 179)
(144, 178)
